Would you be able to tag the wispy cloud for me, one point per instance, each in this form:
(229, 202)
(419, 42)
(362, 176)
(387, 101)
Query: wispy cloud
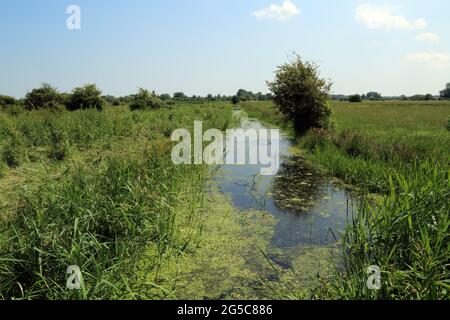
(436, 60)
(429, 37)
(383, 18)
(282, 12)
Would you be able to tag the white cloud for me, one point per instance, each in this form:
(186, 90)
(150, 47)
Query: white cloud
(384, 18)
(436, 60)
(283, 13)
(429, 37)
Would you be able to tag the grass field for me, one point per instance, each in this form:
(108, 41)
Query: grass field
(400, 151)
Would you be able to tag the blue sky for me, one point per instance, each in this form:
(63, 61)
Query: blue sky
(218, 46)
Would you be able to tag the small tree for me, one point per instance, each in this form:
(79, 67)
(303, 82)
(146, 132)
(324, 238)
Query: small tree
(301, 95)
(144, 99)
(355, 98)
(235, 100)
(446, 92)
(86, 97)
(42, 97)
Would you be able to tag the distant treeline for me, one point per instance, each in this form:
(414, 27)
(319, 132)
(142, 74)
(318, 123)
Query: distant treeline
(48, 97)
(375, 96)
(379, 97)
(89, 96)
(241, 95)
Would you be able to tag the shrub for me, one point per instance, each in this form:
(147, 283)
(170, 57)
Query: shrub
(301, 96)
(145, 100)
(355, 98)
(6, 101)
(42, 97)
(86, 97)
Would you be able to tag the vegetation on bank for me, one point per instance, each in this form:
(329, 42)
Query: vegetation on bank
(96, 189)
(400, 151)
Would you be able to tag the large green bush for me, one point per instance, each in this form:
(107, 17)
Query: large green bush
(42, 97)
(6, 101)
(86, 97)
(144, 99)
(301, 95)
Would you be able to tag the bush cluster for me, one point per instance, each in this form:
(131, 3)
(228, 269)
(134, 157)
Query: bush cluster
(86, 97)
(49, 98)
(145, 100)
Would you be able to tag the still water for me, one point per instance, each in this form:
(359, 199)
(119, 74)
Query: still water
(280, 234)
(310, 209)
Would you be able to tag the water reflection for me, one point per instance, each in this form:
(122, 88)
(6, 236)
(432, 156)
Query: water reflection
(296, 187)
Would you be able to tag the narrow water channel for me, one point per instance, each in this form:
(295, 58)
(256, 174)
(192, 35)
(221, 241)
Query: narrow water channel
(309, 211)
(309, 207)
(266, 234)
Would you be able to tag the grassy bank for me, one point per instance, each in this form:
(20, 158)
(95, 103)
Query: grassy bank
(97, 190)
(400, 151)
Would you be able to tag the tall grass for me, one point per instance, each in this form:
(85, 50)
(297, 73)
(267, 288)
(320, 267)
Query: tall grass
(100, 221)
(407, 235)
(113, 204)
